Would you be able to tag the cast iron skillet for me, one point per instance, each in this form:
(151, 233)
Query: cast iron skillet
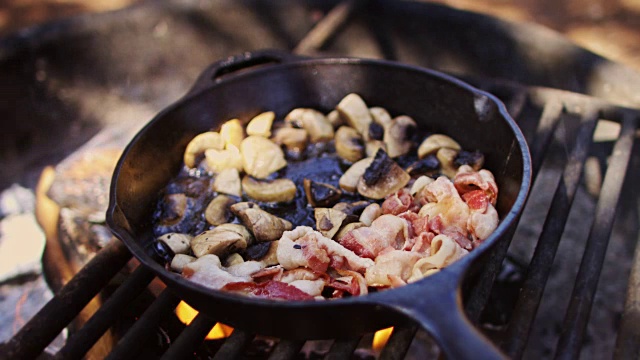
(248, 84)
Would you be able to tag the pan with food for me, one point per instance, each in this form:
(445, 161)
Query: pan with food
(264, 141)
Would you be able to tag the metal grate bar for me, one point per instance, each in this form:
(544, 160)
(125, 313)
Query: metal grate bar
(70, 300)
(343, 349)
(586, 283)
(628, 341)
(546, 127)
(539, 269)
(190, 338)
(131, 344)
(234, 345)
(326, 28)
(80, 342)
(398, 343)
(286, 349)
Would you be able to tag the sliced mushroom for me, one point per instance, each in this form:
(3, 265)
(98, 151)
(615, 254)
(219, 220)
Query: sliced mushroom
(349, 144)
(475, 159)
(344, 230)
(222, 240)
(279, 190)
(335, 119)
(261, 157)
(427, 166)
(232, 132)
(178, 243)
(260, 125)
(435, 142)
(220, 160)
(328, 221)
(349, 180)
(370, 213)
(233, 259)
(420, 183)
(447, 159)
(380, 116)
(355, 112)
(382, 177)
(372, 147)
(294, 139)
(180, 261)
(313, 121)
(179, 214)
(201, 143)
(218, 212)
(398, 136)
(321, 194)
(264, 252)
(228, 182)
(264, 226)
(354, 208)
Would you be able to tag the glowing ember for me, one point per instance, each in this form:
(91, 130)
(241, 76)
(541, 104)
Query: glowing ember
(380, 338)
(186, 314)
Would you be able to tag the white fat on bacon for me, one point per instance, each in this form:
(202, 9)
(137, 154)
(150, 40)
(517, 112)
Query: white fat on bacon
(385, 231)
(208, 271)
(311, 287)
(291, 250)
(445, 202)
(482, 224)
(392, 268)
(444, 251)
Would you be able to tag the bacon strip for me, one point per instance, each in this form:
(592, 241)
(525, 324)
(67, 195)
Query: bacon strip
(269, 290)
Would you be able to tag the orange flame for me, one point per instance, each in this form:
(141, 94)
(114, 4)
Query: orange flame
(380, 338)
(186, 314)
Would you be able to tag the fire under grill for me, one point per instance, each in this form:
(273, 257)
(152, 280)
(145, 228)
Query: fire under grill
(559, 126)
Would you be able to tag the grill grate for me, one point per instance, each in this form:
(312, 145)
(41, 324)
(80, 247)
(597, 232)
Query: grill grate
(539, 111)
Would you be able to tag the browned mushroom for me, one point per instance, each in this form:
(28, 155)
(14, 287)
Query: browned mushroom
(397, 136)
(313, 121)
(383, 177)
(279, 190)
(355, 112)
(264, 226)
(349, 180)
(435, 142)
(222, 240)
(264, 252)
(321, 194)
(349, 144)
(178, 243)
(294, 139)
(218, 212)
(328, 221)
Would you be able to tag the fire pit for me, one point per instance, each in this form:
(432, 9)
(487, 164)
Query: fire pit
(129, 64)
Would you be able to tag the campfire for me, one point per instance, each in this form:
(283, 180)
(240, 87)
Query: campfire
(80, 114)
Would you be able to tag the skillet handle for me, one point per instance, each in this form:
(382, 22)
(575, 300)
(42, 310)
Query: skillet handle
(437, 308)
(216, 71)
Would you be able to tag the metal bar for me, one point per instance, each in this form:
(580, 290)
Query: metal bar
(546, 127)
(131, 344)
(399, 342)
(36, 334)
(628, 341)
(327, 27)
(481, 290)
(343, 349)
(80, 342)
(584, 290)
(286, 349)
(234, 345)
(189, 338)
(538, 272)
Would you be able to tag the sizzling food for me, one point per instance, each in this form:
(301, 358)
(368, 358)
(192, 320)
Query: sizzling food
(317, 206)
